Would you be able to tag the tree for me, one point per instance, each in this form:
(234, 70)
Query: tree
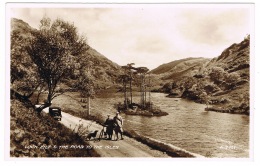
(85, 83)
(142, 71)
(232, 78)
(124, 79)
(188, 82)
(86, 87)
(130, 67)
(54, 50)
(217, 74)
(167, 87)
(24, 78)
(129, 73)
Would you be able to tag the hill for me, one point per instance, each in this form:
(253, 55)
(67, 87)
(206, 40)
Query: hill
(179, 68)
(222, 82)
(103, 71)
(178, 65)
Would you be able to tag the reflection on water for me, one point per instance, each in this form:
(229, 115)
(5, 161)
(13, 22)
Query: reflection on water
(187, 126)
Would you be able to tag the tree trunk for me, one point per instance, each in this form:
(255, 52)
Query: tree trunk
(141, 90)
(49, 92)
(131, 96)
(88, 109)
(49, 98)
(125, 102)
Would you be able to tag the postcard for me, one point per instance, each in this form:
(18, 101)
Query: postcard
(130, 80)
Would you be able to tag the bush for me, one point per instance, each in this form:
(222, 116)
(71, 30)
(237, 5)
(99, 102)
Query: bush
(217, 74)
(167, 87)
(232, 78)
(211, 88)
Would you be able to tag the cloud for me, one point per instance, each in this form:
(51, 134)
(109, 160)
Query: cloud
(149, 44)
(214, 26)
(153, 35)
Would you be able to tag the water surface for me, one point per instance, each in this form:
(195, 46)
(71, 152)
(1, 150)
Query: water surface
(187, 126)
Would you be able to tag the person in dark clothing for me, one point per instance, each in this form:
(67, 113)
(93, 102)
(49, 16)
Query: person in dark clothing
(109, 127)
(118, 123)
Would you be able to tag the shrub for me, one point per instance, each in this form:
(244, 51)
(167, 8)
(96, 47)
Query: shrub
(232, 78)
(217, 74)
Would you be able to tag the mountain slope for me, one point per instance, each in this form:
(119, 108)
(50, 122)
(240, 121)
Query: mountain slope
(179, 68)
(222, 82)
(175, 70)
(177, 65)
(103, 71)
(234, 59)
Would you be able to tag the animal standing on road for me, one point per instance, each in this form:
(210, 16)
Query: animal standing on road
(92, 134)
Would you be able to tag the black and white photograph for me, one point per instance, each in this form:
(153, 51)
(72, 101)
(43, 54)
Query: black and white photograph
(130, 80)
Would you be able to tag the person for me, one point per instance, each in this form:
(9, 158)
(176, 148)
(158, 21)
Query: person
(109, 127)
(118, 124)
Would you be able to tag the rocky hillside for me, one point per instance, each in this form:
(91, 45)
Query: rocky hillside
(222, 82)
(103, 71)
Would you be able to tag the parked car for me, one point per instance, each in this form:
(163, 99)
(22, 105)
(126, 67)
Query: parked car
(55, 112)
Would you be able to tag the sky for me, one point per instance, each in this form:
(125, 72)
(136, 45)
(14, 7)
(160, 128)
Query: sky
(151, 35)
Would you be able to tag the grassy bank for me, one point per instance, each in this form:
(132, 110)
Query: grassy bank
(33, 135)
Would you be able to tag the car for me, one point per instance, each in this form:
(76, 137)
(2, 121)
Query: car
(55, 112)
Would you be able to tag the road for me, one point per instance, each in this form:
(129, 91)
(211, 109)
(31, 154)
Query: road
(108, 148)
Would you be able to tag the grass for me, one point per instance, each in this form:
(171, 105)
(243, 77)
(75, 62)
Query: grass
(39, 135)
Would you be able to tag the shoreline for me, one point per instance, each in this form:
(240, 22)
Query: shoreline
(213, 108)
(169, 149)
